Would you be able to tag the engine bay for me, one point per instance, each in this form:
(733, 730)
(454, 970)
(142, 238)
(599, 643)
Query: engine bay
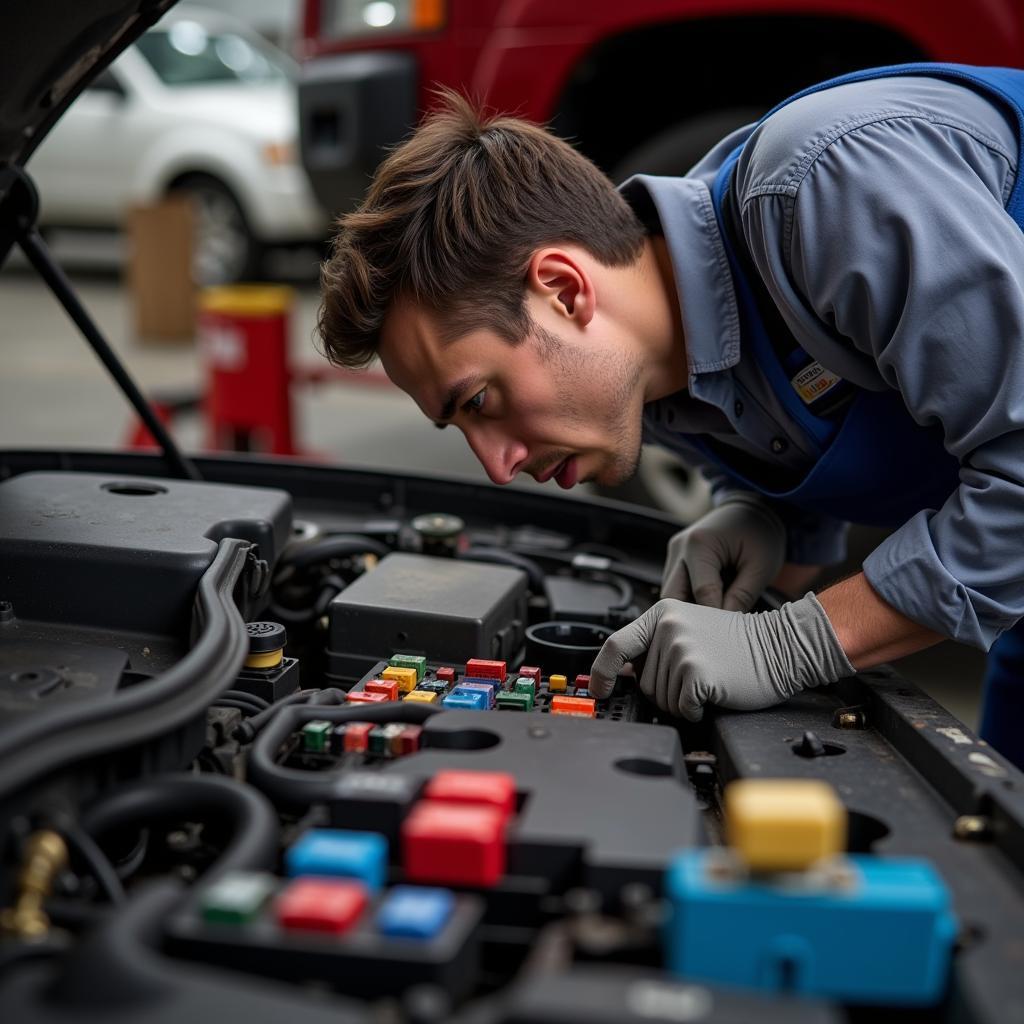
(303, 739)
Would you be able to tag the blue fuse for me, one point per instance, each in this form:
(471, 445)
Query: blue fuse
(411, 912)
(490, 686)
(467, 700)
(340, 853)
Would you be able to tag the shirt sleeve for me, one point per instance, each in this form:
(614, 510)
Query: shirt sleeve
(895, 242)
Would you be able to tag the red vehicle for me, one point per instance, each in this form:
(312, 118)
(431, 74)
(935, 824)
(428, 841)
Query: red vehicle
(649, 84)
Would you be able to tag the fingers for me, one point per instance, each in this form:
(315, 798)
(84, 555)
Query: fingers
(625, 645)
(676, 582)
(706, 580)
(745, 589)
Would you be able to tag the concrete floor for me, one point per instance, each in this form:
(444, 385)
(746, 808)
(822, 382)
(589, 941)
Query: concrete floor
(53, 393)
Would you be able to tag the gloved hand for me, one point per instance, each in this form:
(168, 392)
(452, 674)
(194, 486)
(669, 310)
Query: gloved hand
(742, 534)
(743, 661)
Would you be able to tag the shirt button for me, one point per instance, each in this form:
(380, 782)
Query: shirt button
(779, 445)
(738, 407)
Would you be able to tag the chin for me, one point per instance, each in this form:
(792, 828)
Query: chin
(618, 470)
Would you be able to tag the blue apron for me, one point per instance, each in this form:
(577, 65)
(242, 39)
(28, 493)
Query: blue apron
(876, 465)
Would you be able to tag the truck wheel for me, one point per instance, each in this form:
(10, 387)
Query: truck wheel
(675, 150)
(225, 249)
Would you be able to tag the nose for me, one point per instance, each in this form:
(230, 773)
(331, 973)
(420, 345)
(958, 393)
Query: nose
(501, 456)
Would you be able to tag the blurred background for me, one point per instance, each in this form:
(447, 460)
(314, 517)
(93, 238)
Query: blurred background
(217, 149)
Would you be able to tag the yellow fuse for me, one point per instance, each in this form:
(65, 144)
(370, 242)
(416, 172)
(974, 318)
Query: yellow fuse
(421, 696)
(784, 824)
(405, 677)
(556, 684)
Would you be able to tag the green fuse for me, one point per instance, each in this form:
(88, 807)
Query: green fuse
(379, 741)
(524, 685)
(507, 701)
(237, 898)
(415, 661)
(314, 736)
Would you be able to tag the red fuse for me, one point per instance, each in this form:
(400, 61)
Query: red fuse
(530, 672)
(322, 905)
(362, 697)
(492, 789)
(386, 686)
(478, 668)
(459, 845)
(409, 741)
(357, 737)
(583, 683)
(445, 675)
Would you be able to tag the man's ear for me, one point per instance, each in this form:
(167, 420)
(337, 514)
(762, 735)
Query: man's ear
(560, 279)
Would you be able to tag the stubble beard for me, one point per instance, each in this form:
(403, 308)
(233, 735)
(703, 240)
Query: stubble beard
(616, 384)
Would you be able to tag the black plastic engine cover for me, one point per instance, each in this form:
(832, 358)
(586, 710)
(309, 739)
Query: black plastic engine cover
(123, 552)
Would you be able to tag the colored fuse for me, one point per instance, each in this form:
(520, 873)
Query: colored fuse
(314, 736)
(446, 675)
(378, 741)
(434, 685)
(321, 904)
(386, 686)
(392, 735)
(339, 853)
(585, 707)
(526, 686)
(486, 685)
(448, 843)
(557, 684)
(415, 912)
(486, 669)
(405, 677)
(337, 739)
(237, 897)
(531, 672)
(471, 700)
(414, 661)
(422, 696)
(508, 701)
(493, 789)
(582, 683)
(357, 736)
(409, 742)
(362, 697)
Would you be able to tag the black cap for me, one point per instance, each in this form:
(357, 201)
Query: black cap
(265, 637)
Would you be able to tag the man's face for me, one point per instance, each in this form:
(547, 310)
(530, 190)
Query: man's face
(552, 407)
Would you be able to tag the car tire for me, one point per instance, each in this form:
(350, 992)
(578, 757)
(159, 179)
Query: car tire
(675, 150)
(226, 250)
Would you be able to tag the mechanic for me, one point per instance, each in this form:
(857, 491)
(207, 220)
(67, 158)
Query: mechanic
(827, 312)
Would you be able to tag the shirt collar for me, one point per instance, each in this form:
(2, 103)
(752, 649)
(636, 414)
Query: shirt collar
(682, 211)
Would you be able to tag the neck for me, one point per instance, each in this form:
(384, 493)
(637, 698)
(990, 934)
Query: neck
(659, 322)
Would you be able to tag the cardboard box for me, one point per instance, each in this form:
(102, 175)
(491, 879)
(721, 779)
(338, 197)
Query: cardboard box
(159, 269)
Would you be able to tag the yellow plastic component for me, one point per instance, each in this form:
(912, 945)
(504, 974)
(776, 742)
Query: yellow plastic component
(422, 696)
(556, 684)
(247, 300)
(271, 659)
(783, 824)
(405, 677)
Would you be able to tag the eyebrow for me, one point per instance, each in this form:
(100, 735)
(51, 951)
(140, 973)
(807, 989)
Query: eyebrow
(454, 394)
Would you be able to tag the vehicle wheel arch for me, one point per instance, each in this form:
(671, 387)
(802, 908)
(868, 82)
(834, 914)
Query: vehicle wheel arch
(605, 105)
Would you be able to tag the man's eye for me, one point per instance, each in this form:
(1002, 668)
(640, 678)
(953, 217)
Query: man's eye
(476, 403)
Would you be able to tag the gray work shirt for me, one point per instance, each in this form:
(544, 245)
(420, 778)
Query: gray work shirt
(875, 214)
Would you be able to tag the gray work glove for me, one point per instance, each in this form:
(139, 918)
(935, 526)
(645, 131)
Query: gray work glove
(743, 661)
(743, 535)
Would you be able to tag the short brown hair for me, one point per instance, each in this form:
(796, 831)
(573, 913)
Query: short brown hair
(450, 222)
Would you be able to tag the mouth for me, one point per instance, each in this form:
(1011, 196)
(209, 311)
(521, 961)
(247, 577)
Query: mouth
(566, 473)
